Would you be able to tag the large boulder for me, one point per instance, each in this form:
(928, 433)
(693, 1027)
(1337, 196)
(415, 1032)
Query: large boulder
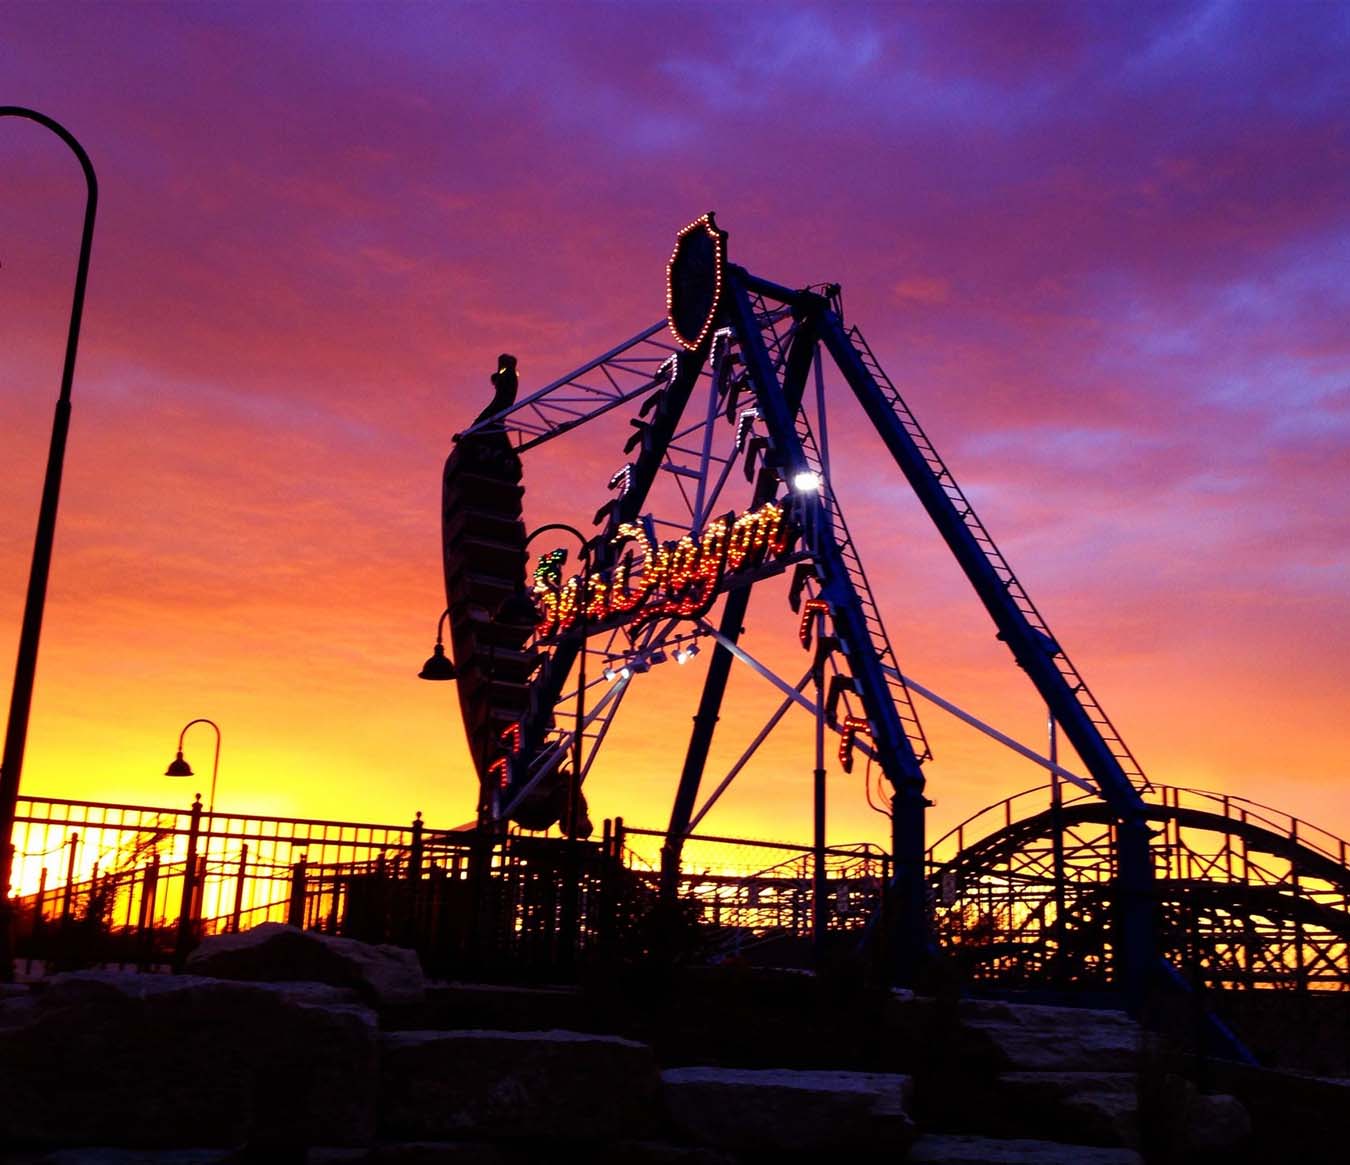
(420, 1153)
(1037, 1038)
(954, 1150)
(1216, 1126)
(554, 1085)
(1095, 1108)
(274, 953)
(777, 1110)
(128, 1060)
(104, 1155)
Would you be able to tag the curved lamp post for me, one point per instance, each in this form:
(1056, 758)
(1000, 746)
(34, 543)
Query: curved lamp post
(21, 700)
(178, 767)
(438, 666)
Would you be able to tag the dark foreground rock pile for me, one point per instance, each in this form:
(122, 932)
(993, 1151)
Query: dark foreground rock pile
(146, 1068)
(100, 1068)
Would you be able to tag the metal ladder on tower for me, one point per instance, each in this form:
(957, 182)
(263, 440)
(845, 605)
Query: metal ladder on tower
(1076, 684)
(880, 642)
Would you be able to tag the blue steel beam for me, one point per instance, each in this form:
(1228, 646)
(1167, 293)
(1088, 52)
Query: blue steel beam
(893, 749)
(1035, 652)
(798, 365)
(700, 741)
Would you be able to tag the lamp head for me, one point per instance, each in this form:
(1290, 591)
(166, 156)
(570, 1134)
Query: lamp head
(518, 610)
(438, 667)
(178, 767)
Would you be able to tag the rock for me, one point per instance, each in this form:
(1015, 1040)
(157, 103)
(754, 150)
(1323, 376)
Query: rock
(557, 1085)
(274, 952)
(438, 1153)
(153, 1061)
(948, 1150)
(772, 1110)
(493, 1007)
(1032, 1037)
(662, 1153)
(106, 1156)
(1217, 1124)
(1100, 1108)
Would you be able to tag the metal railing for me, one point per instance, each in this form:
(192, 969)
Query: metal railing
(749, 893)
(139, 885)
(157, 879)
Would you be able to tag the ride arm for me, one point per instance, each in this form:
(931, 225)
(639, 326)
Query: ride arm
(1032, 648)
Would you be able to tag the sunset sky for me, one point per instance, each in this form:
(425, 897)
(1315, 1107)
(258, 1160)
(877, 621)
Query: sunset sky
(1103, 249)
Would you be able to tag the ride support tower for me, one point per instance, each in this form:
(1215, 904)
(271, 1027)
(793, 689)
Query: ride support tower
(728, 401)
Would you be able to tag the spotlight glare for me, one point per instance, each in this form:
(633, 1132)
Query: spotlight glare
(806, 482)
(684, 654)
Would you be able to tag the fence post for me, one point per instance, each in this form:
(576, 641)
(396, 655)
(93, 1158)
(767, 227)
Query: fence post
(131, 897)
(149, 890)
(189, 879)
(39, 919)
(415, 854)
(885, 906)
(199, 892)
(146, 917)
(334, 900)
(70, 877)
(239, 888)
(295, 913)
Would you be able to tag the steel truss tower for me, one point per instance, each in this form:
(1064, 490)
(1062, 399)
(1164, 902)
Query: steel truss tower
(731, 386)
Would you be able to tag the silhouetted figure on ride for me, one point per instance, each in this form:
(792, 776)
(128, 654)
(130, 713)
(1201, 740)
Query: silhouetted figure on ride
(505, 381)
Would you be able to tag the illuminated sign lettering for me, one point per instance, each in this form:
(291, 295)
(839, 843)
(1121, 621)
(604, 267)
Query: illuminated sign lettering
(679, 579)
(810, 609)
(851, 727)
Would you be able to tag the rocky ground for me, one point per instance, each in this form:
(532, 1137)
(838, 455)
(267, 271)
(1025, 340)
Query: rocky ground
(286, 1047)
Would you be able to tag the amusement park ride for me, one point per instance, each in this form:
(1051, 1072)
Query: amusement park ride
(725, 481)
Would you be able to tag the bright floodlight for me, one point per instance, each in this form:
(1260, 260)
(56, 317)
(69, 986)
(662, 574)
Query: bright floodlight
(806, 482)
(684, 654)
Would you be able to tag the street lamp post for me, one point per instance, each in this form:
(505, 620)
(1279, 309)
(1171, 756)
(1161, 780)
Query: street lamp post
(25, 668)
(178, 767)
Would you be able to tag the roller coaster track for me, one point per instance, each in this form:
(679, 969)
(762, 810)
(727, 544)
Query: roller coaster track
(1247, 896)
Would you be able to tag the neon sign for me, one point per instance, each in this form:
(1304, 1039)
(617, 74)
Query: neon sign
(674, 579)
(694, 281)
